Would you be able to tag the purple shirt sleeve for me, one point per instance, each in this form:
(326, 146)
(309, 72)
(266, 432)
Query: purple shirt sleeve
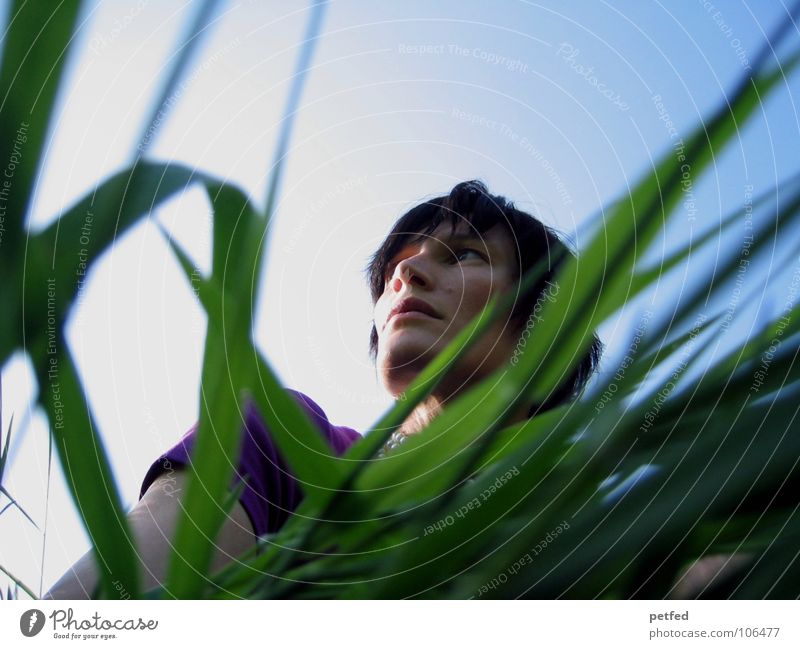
(271, 492)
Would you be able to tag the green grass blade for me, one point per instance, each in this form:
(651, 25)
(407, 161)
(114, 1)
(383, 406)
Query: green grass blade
(46, 507)
(56, 263)
(233, 375)
(595, 572)
(310, 458)
(66, 250)
(593, 295)
(18, 583)
(245, 368)
(86, 466)
(776, 226)
(17, 505)
(227, 372)
(312, 34)
(649, 275)
(361, 453)
(4, 453)
(35, 50)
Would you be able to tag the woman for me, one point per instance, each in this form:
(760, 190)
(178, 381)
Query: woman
(437, 269)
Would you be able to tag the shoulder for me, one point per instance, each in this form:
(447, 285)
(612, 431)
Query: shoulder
(340, 437)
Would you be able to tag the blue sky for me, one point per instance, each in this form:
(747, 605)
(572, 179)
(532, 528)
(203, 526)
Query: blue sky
(558, 106)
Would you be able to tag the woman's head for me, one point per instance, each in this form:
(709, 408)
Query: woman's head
(447, 257)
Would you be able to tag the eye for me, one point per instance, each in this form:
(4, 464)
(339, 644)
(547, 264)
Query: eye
(459, 253)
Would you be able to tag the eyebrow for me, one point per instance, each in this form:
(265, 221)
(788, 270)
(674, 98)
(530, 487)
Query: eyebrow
(459, 239)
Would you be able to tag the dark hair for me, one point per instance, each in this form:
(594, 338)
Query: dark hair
(471, 201)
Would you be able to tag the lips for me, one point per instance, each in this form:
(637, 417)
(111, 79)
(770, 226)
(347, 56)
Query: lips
(412, 304)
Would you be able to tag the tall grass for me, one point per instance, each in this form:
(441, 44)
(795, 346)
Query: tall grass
(581, 501)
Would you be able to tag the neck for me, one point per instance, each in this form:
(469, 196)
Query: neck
(425, 412)
(430, 407)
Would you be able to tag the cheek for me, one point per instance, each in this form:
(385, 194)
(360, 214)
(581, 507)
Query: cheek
(478, 293)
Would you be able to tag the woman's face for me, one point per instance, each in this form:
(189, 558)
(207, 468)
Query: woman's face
(454, 276)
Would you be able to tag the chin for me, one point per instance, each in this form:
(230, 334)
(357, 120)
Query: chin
(400, 367)
(408, 354)
(396, 383)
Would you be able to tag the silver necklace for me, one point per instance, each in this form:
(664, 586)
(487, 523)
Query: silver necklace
(394, 441)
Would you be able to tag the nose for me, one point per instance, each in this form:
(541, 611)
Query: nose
(413, 271)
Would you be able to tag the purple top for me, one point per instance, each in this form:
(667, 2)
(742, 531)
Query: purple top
(271, 492)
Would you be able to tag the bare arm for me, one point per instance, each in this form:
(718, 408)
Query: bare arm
(153, 521)
(705, 573)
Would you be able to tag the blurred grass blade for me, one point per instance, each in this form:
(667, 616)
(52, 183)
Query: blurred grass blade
(56, 264)
(5, 445)
(239, 229)
(227, 371)
(231, 371)
(774, 573)
(46, 507)
(360, 454)
(194, 37)
(17, 505)
(677, 463)
(86, 466)
(16, 581)
(785, 216)
(35, 49)
(311, 460)
(244, 371)
(567, 327)
(429, 378)
(4, 460)
(67, 249)
(631, 228)
(649, 275)
(316, 15)
(668, 163)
